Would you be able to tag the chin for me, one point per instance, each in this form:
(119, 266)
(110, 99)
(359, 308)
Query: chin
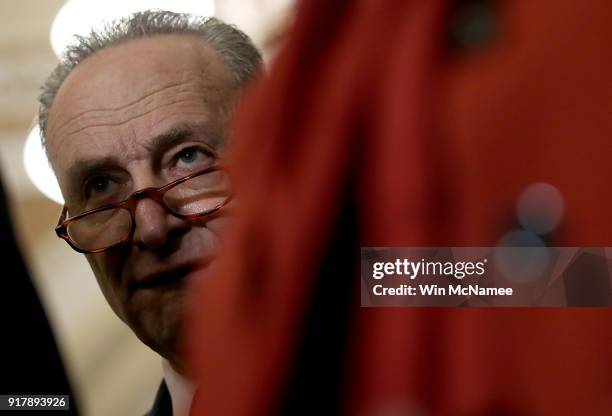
(157, 320)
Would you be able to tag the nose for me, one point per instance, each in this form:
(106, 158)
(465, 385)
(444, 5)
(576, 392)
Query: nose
(155, 226)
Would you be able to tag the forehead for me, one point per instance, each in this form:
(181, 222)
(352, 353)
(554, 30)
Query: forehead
(126, 93)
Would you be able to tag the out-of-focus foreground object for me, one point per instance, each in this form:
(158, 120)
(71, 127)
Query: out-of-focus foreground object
(412, 123)
(31, 363)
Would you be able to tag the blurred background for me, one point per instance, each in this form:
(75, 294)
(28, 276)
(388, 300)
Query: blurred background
(111, 372)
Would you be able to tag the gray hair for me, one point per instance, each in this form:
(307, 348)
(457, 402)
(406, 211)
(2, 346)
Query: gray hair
(233, 46)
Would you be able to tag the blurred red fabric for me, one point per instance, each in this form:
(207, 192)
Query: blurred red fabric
(441, 140)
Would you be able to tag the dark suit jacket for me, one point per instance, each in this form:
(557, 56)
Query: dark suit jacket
(163, 403)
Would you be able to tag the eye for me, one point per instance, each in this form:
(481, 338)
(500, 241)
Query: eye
(188, 155)
(193, 158)
(97, 185)
(101, 189)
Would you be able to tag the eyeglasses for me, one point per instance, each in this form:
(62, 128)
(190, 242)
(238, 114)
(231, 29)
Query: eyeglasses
(190, 197)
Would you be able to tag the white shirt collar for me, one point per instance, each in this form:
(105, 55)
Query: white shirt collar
(181, 390)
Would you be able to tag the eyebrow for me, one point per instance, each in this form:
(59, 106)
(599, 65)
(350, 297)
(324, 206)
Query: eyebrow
(179, 132)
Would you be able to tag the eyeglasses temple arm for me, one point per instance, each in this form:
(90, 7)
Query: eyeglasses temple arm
(62, 216)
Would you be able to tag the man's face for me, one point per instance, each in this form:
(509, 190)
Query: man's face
(136, 115)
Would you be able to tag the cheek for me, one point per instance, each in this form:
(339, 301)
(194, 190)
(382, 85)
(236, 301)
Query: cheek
(200, 242)
(220, 222)
(107, 268)
(205, 239)
(219, 226)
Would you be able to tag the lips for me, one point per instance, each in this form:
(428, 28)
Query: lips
(167, 277)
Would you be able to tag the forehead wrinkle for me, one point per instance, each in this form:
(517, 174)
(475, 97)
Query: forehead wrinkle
(128, 118)
(193, 82)
(183, 82)
(122, 107)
